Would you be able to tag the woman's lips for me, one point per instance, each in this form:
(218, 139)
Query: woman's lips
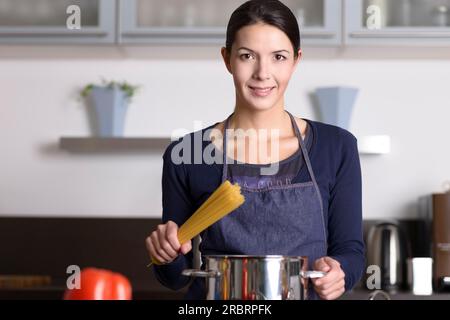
(261, 91)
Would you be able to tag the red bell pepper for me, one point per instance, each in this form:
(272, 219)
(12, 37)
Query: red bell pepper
(100, 284)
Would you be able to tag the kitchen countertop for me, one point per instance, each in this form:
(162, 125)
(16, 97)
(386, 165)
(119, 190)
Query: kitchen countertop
(57, 292)
(360, 294)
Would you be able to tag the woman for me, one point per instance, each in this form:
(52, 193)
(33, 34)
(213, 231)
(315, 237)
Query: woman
(310, 205)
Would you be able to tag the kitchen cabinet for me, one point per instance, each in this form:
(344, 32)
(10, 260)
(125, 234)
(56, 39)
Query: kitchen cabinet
(399, 22)
(54, 243)
(205, 21)
(150, 21)
(323, 22)
(56, 21)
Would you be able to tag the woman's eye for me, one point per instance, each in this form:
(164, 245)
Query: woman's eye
(279, 57)
(246, 56)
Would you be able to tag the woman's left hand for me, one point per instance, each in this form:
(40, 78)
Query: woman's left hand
(332, 285)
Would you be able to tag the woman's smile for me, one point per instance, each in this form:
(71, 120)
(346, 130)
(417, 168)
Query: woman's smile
(261, 91)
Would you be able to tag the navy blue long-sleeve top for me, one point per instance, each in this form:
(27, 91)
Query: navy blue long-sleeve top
(335, 162)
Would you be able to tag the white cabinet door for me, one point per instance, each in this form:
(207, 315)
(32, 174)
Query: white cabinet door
(205, 21)
(57, 21)
(320, 21)
(397, 22)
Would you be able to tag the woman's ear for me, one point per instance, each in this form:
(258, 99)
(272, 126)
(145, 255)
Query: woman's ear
(226, 59)
(299, 56)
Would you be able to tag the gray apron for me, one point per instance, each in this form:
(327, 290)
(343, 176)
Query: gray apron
(276, 220)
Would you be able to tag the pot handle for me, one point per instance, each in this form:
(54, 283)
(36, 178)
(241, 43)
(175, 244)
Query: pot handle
(312, 274)
(201, 273)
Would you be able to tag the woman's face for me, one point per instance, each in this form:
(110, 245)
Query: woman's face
(261, 62)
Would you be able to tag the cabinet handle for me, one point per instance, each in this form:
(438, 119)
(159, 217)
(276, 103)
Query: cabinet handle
(209, 32)
(318, 34)
(401, 34)
(22, 33)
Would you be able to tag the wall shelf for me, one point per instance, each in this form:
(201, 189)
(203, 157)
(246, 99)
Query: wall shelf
(371, 145)
(376, 144)
(100, 144)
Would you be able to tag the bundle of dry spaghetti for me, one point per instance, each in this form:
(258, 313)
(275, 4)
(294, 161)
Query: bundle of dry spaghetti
(224, 200)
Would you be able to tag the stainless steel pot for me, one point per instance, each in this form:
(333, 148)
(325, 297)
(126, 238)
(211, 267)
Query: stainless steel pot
(242, 277)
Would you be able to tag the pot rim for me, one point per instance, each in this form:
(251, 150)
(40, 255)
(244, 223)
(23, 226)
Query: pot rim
(260, 257)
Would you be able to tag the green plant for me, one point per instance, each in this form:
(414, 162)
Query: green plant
(128, 89)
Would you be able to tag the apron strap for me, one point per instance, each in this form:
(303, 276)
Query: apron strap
(309, 166)
(224, 149)
(303, 147)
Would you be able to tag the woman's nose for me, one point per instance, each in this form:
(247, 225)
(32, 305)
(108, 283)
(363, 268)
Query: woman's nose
(262, 71)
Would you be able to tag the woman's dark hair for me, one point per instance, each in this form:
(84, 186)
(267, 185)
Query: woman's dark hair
(271, 12)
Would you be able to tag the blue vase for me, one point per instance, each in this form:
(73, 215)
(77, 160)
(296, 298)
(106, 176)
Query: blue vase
(336, 105)
(110, 105)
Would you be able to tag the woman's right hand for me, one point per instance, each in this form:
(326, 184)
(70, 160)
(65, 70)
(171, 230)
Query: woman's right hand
(163, 244)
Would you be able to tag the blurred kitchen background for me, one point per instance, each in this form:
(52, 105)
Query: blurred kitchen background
(80, 199)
